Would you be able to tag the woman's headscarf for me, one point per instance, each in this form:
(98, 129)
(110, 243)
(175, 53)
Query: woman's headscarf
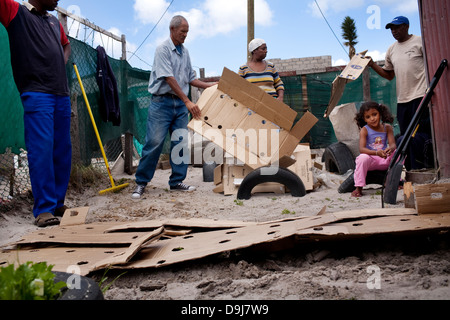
(255, 44)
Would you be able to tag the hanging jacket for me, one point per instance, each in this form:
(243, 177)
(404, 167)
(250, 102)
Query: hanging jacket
(109, 95)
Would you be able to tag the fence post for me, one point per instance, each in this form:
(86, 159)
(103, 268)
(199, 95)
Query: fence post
(366, 85)
(124, 48)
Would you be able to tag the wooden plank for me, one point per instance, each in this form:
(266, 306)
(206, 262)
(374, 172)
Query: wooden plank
(408, 193)
(433, 198)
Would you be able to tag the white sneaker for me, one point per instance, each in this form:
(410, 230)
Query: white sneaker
(138, 192)
(183, 187)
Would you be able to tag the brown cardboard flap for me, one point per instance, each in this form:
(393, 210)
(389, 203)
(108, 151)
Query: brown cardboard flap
(126, 255)
(304, 125)
(74, 216)
(352, 72)
(271, 109)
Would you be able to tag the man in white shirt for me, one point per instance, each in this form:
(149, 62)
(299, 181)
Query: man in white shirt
(405, 62)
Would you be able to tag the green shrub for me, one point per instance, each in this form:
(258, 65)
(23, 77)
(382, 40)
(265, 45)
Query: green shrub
(30, 281)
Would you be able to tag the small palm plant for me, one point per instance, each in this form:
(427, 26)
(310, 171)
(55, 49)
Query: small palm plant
(349, 34)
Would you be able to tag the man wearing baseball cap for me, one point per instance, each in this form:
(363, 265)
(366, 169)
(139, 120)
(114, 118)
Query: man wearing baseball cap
(405, 62)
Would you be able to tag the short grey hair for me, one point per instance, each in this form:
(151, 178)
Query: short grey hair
(177, 21)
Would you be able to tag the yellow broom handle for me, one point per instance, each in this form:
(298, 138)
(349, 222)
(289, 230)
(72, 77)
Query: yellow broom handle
(93, 123)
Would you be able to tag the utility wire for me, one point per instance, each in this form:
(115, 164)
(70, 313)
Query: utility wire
(331, 28)
(152, 30)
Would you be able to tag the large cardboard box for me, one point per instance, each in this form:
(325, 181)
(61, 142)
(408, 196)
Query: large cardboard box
(248, 124)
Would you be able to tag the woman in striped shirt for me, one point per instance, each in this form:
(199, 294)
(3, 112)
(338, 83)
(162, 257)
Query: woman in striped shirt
(261, 72)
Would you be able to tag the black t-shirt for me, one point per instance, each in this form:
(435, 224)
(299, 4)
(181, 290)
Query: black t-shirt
(37, 54)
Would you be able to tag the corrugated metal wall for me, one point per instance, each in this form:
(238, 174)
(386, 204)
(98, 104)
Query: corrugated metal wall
(435, 20)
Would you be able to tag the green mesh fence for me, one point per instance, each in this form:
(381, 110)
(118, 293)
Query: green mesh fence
(11, 120)
(134, 102)
(133, 96)
(318, 88)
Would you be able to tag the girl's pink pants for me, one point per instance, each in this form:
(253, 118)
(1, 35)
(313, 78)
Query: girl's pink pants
(365, 163)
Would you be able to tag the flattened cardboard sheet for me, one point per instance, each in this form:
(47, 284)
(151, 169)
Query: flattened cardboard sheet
(379, 225)
(179, 223)
(78, 260)
(193, 246)
(126, 255)
(147, 251)
(200, 245)
(93, 234)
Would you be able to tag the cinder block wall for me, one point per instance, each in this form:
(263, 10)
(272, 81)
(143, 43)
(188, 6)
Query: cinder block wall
(303, 65)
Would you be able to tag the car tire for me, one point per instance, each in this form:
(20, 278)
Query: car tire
(88, 289)
(283, 176)
(338, 158)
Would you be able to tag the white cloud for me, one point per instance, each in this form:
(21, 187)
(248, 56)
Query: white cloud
(340, 62)
(150, 11)
(376, 55)
(210, 18)
(329, 7)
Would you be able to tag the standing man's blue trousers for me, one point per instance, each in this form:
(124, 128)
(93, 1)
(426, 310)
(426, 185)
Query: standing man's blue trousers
(47, 138)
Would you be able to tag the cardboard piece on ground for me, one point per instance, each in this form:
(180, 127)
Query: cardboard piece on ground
(200, 245)
(82, 230)
(70, 259)
(244, 121)
(126, 255)
(379, 225)
(193, 246)
(196, 223)
(91, 236)
(74, 216)
(433, 198)
(352, 72)
(147, 252)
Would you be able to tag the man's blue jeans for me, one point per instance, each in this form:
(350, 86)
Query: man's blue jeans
(47, 139)
(166, 114)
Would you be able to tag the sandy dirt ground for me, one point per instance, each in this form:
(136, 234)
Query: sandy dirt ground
(408, 267)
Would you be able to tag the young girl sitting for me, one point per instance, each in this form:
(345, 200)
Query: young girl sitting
(376, 142)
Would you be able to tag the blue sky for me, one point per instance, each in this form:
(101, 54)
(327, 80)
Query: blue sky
(218, 28)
